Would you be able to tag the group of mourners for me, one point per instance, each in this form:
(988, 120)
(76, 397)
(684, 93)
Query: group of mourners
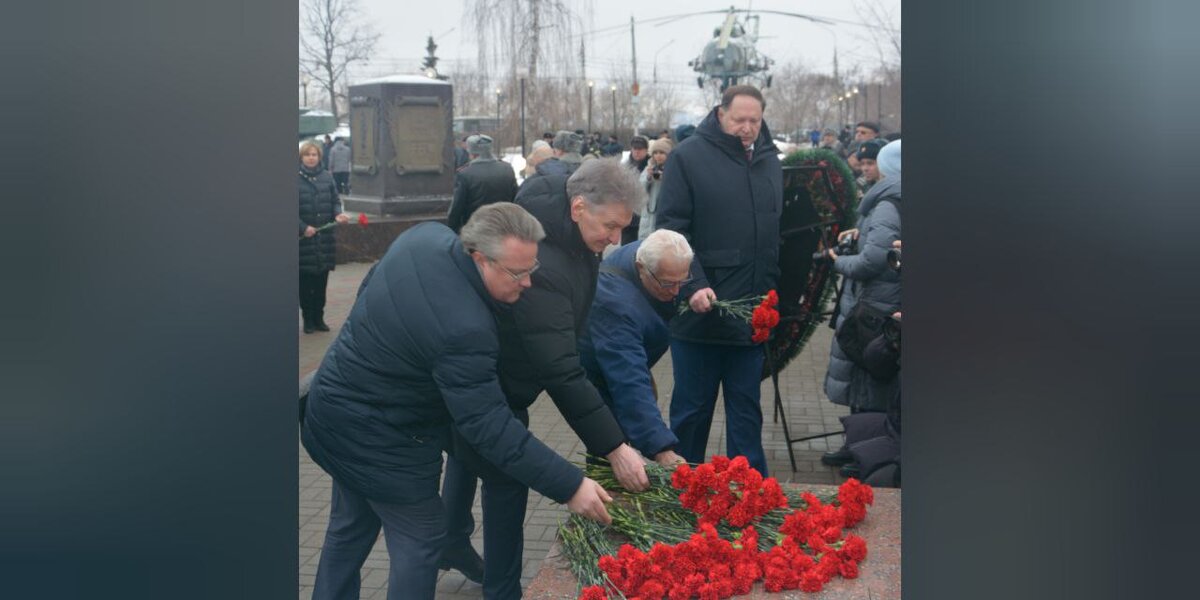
(460, 328)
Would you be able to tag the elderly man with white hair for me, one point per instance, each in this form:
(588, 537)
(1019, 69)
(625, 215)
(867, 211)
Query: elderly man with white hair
(627, 334)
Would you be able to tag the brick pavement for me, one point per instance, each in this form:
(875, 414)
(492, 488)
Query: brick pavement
(808, 412)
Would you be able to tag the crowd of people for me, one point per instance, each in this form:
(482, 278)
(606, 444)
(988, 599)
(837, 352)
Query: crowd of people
(568, 283)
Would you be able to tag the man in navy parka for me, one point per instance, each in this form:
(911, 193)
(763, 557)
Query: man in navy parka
(417, 353)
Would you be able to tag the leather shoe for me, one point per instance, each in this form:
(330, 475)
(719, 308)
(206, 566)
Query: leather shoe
(465, 560)
(320, 325)
(839, 457)
(849, 470)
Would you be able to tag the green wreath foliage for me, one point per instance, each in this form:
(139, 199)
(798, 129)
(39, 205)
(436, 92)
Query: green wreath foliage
(838, 208)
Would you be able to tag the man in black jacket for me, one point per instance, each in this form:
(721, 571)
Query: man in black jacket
(483, 181)
(722, 189)
(581, 216)
(418, 353)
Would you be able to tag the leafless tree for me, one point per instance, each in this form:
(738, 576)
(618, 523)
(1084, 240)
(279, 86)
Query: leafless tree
(882, 27)
(537, 35)
(331, 39)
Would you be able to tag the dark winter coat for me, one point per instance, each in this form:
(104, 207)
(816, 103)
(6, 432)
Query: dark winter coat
(556, 166)
(419, 351)
(868, 278)
(626, 335)
(483, 181)
(538, 333)
(728, 207)
(319, 204)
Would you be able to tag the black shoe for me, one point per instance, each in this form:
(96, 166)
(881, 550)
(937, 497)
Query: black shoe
(840, 457)
(465, 560)
(308, 328)
(851, 470)
(320, 325)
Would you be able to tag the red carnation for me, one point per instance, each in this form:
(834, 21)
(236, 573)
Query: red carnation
(362, 219)
(811, 581)
(848, 569)
(593, 592)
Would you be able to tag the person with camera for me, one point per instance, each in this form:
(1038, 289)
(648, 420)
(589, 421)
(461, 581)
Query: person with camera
(870, 295)
(651, 178)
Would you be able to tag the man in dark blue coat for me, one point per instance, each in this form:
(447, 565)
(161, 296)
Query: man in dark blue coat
(627, 334)
(483, 181)
(538, 353)
(417, 354)
(722, 189)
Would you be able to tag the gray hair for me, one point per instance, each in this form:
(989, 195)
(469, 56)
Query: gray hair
(661, 243)
(606, 181)
(488, 227)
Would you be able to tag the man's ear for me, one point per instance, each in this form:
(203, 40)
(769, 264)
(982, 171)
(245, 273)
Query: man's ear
(578, 205)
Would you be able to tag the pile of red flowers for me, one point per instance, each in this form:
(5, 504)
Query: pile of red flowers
(811, 547)
(765, 317)
(727, 489)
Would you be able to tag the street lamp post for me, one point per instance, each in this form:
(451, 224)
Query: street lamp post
(591, 84)
(304, 84)
(497, 128)
(522, 116)
(664, 47)
(613, 89)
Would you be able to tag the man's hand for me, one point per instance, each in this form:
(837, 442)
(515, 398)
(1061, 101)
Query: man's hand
(589, 501)
(310, 231)
(629, 467)
(342, 218)
(702, 300)
(849, 233)
(668, 458)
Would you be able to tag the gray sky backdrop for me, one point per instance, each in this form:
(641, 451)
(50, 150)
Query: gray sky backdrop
(404, 26)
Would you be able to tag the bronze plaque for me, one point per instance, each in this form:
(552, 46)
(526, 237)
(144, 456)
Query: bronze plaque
(363, 137)
(418, 128)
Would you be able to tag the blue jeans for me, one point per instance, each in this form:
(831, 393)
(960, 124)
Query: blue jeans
(414, 534)
(700, 370)
(503, 525)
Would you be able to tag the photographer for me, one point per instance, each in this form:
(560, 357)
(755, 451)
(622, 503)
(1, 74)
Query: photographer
(870, 295)
(651, 177)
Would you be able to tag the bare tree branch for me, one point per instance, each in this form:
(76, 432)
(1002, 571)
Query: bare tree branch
(331, 40)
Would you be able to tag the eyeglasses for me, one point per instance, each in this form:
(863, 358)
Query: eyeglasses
(666, 285)
(517, 275)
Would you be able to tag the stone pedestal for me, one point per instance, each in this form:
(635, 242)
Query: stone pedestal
(402, 146)
(878, 579)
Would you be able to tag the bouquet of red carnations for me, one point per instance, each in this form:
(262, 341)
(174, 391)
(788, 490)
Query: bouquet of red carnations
(758, 311)
(727, 530)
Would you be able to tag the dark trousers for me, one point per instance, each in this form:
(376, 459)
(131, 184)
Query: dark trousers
(503, 525)
(312, 294)
(700, 369)
(343, 182)
(414, 533)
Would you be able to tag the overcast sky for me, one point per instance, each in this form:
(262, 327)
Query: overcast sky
(404, 26)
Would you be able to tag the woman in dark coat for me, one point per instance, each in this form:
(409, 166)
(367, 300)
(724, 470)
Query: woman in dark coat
(319, 205)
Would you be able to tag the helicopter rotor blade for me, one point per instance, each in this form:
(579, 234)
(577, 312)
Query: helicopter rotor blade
(725, 29)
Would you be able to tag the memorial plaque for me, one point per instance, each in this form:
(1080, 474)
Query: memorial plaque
(402, 161)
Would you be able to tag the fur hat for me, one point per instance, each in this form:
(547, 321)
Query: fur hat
(870, 148)
(480, 145)
(683, 132)
(638, 142)
(568, 141)
(661, 145)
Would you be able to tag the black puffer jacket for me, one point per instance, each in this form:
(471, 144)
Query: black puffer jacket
(538, 333)
(728, 207)
(319, 204)
(418, 352)
(483, 181)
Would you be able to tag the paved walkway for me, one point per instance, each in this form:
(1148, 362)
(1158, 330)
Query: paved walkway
(808, 412)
